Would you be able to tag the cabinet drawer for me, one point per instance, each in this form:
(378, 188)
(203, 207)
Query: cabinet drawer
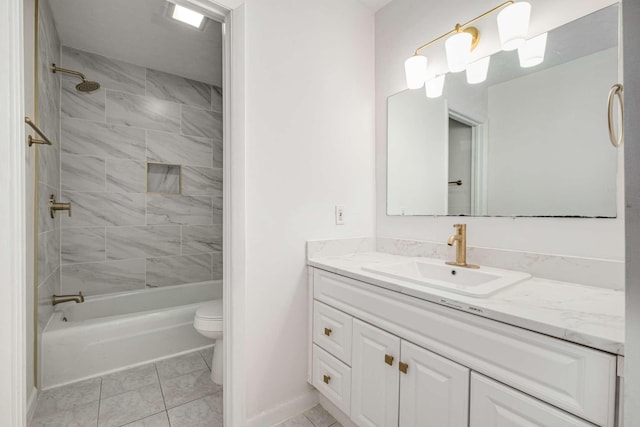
(332, 330)
(574, 378)
(495, 405)
(332, 378)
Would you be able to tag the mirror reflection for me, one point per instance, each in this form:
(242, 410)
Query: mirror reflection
(524, 142)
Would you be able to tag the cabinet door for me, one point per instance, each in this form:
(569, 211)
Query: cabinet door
(374, 376)
(434, 391)
(496, 405)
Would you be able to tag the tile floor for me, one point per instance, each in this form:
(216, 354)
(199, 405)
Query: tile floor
(176, 392)
(314, 417)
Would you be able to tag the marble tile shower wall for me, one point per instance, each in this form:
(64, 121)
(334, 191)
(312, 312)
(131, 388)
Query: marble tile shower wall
(120, 237)
(48, 118)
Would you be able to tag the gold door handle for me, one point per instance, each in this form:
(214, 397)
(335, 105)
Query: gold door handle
(326, 379)
(327, 331)
(403, 367)
(616, 89)
(388, 359)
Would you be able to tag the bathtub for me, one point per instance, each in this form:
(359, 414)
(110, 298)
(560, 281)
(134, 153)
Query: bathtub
(117, 331)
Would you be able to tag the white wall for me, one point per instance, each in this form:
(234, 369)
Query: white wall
(460, 151)
(403, 25)
(309, 145)
(520, 149)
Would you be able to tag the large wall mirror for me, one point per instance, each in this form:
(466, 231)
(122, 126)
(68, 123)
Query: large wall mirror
(525, 142)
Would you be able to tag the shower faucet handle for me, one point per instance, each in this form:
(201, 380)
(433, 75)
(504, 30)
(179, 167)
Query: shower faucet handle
(58, 206)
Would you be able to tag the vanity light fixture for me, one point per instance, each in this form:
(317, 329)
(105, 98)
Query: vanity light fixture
(477, 71)
(188, 16)
(513, 26)
(531, 53)
(435, 86)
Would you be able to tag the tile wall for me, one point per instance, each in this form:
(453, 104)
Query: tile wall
(120, 237)
(48, 119)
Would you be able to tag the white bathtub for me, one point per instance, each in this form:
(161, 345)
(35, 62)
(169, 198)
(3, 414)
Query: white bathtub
(117, 331)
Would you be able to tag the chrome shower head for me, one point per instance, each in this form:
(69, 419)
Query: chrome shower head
(85, 86)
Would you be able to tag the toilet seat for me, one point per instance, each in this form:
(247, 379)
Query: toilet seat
(209, 317)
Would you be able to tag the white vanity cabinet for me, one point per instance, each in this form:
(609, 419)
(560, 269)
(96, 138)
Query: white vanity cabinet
(410, 362)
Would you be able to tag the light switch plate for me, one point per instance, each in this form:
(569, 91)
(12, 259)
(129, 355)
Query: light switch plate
(339, 215)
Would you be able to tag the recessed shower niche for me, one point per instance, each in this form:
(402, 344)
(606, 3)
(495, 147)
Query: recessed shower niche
(164, 178)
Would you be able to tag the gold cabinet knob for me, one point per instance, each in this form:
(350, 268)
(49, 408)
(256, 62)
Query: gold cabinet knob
(326, 379)
(388, 359)
(327, 331)
(403, 367)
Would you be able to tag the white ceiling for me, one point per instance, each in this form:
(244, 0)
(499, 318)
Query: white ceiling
(138, 32)
(375, 5)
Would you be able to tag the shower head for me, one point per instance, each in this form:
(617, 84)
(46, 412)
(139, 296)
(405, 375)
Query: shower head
(85, 86)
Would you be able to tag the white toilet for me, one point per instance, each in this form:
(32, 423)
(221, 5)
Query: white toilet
(208, 321)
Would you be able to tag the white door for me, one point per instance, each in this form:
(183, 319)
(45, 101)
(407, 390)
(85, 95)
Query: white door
(496, 405)
(374, 376)
(434, 391)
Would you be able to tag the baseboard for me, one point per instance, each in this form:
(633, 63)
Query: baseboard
(340, 416)
(287, 410)
(31, 404)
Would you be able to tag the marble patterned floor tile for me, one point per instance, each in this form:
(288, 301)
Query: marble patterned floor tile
(82, 244)
(167, 147)
(207, 355)
(82, 173)
(88, 138)
(197, 239)
(130, 406)
(110, 73)
(143, 112)
(218, 153)
(188, 387)
(160, 419)
(216, 98)
(164, 179)
(84, 415)
(143, 241)
(104, 209)
(168, 271)
(103, 277)
(82, 105)
(171, 87)
(174, 209)
(319, 417)
(126, 176)
(297, 421)
(203, 123)
(131, 379)
(66, 397)
(204, 412)
(180, 365)
(198, 180)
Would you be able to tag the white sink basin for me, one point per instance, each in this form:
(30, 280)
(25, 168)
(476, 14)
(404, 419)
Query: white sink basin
(436, 274)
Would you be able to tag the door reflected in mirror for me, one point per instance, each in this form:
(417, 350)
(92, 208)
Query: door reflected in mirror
(525, 142)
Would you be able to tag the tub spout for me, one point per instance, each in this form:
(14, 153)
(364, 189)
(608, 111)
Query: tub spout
(58, 299)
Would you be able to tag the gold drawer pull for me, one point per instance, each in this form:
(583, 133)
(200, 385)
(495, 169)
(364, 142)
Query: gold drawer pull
(388, 359)
(327, 331)
(326, 379)
(403, 367)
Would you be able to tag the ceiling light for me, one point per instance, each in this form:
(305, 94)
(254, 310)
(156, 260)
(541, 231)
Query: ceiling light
(477, 71)
(513, 25)
(458, 48)
(415, 69)
(187, 16)
(532, 52)
(434, 87)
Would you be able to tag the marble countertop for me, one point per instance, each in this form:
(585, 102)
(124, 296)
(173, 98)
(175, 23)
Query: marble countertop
(585, 315)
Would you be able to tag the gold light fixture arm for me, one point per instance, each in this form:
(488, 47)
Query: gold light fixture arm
(43, 141)
(462, 28)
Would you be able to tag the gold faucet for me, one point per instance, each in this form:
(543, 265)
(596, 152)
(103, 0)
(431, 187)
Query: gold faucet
(460, 237)
(58, 299)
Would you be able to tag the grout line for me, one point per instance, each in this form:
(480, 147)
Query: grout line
(99, 403)
(164, 402)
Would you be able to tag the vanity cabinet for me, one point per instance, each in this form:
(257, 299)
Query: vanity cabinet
(410, 362)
